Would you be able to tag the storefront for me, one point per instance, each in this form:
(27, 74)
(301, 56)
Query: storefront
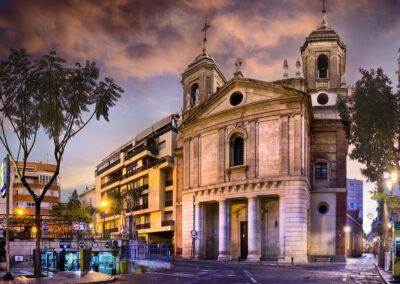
(104, 262)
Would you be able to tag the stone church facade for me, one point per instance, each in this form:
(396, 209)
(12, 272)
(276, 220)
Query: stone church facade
(261, 166)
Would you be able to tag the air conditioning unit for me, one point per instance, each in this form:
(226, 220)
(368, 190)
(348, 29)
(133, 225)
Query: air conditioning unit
(119, 243)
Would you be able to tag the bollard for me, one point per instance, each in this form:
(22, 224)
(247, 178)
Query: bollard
(260, 259)
(292, 259)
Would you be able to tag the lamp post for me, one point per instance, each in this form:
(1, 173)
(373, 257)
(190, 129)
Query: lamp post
(103, 206)
(347, 230)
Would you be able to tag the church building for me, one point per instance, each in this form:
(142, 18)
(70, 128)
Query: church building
(261, 166)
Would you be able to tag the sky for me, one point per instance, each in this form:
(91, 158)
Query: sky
(146, 45)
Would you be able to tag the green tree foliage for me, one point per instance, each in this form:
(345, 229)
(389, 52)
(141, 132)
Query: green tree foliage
(116, 202)
(371, 118)
(74, 210)
(48, 94)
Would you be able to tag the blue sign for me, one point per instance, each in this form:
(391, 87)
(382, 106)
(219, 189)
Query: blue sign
(4, 176)
(65, 245)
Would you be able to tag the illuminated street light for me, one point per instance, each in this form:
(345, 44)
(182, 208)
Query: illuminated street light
(20, 212)
(393, 177)
(347, 229)
(389, 225)
(103, 204)
(34, 230)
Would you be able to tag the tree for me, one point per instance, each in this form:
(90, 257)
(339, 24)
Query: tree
(132, 197)
(371, 119)
(116, 203)
(73, 210)
(48, 96)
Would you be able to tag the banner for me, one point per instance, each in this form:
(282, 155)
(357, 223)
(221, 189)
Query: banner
(4, 176)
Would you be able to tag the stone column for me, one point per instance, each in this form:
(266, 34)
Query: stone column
(254, 240)
(198, 228)
(223, 231)
(282, 228)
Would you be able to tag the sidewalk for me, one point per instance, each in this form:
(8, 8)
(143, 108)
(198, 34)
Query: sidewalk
(386, 276)
(67, 277)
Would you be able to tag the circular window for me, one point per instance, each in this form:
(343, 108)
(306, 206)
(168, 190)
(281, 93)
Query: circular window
(322, 99)
(236, 98)
(323, 208)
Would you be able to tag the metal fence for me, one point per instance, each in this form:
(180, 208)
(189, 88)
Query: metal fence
(151, 252)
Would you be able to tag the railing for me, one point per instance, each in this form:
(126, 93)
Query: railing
(167, 223)
(169, 182)
(168, 203)
(140, 149)
(143, 226)
(141, 207)
(140, 169)
(151, 251)
(107, 167)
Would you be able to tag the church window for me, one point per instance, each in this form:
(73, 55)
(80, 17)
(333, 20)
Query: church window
(322, 99)
(321, 171)
(323, 208)
(236, 98)
(323, 65)
(237, 147)
(193, 93)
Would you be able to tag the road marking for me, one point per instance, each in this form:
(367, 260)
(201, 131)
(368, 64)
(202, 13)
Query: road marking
(250, 277)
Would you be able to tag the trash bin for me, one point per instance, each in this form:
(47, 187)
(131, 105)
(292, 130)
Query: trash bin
(123, 267)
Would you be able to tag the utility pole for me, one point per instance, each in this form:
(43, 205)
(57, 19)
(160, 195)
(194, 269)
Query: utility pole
(7, 177)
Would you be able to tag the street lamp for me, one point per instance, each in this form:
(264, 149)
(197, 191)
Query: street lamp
(20, 212)
(103, 206)
(347, 229)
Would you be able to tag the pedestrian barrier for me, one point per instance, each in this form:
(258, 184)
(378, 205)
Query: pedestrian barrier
(161, 252)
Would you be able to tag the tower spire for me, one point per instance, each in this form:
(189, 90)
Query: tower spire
(324, 22)
(204, 29)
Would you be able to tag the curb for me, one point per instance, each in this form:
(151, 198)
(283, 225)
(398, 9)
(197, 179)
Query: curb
(380, 274)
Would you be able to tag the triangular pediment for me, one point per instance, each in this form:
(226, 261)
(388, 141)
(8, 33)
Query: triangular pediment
(253, 92)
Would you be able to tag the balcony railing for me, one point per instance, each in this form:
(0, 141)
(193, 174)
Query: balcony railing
(149, 165)
(110, 165)
(140, 149)
(168, 203)
(143, 226)
(167, 223)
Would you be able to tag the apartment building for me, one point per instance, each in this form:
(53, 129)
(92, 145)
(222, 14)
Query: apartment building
(38, 175)
(146, 163)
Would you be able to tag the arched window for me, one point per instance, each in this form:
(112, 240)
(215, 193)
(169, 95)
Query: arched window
(237, 148)
(323, 65)
(193, 91)
(321, 171)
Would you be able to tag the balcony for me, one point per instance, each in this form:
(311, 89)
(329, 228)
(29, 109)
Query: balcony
(141, 207)
(167, 223)
(140, 149)
(168, 203)
(106, 167)
(143, 226)
(169, 182)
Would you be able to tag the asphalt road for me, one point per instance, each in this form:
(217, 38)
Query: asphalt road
(359, 270)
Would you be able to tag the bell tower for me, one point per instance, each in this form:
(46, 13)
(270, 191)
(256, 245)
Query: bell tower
(201, 79)
(324, 63)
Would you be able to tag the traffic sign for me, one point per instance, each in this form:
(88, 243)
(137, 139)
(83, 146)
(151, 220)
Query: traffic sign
(65, 245)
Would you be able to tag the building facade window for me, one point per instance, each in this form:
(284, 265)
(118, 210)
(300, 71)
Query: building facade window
(237, 149)
(323, 66)
(321, 171)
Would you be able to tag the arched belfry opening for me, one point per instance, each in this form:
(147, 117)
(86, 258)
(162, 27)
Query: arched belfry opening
(323, 66)
(194, 89)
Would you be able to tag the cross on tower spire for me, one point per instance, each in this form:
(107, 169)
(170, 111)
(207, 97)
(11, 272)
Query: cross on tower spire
(324, 22)
(204, 29)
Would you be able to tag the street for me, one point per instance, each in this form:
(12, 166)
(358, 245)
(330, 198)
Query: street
(360, 270)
